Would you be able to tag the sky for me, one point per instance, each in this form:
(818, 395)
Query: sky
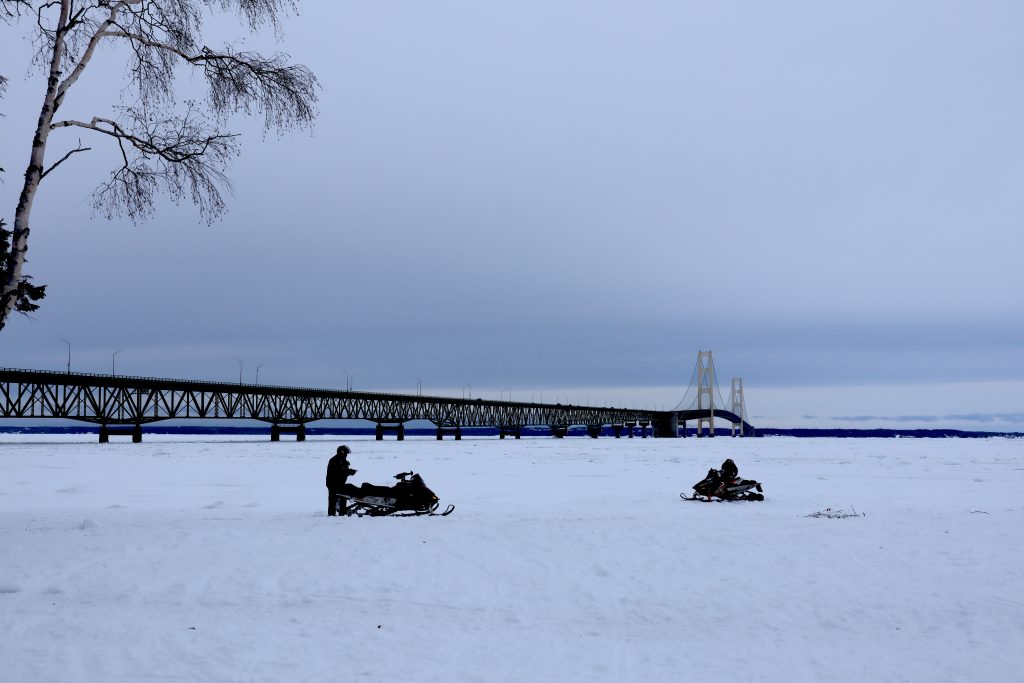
(570, 199)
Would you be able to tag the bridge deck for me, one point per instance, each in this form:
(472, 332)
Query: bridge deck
(112, 400)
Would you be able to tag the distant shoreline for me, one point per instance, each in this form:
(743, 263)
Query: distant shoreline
(197, 430)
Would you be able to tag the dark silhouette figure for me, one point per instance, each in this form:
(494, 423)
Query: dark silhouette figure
(338, 472)
(729, 471)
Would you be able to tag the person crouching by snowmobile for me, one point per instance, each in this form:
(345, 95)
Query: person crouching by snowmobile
(338, 472)
(729, 471)
(727, 474)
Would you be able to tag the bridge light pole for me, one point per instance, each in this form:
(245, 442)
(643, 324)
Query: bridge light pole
(240, 365)
(69, 353)
(348, 380)
(112, 357)
(419, 387)
(258, 373)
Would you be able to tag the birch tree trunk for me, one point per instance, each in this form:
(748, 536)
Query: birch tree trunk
(33, 174)
(184, 154)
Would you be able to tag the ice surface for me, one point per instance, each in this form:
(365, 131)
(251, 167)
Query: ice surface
(182, 559)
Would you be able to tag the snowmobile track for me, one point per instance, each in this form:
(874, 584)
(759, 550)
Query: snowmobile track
(716, 499)
(364, 510)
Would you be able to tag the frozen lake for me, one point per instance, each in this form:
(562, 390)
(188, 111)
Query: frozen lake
(188, 559)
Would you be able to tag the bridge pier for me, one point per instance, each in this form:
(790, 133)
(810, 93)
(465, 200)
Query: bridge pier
(455, 430)
(299, 430)
(107, 431)
(643, 429)
(667, 427)
(617, 430)
(396, 426)
(559, 431)
(702, 431)
(594, 431)
(510, 430)
(629, 427)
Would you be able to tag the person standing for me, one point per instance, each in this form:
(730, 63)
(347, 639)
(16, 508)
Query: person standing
(338, 472)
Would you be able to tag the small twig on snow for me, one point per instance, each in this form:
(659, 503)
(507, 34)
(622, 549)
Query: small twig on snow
(836, 514)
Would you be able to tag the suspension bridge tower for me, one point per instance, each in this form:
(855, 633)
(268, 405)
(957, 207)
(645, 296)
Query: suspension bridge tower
(737, 405)
(703, 400)
(707, 384)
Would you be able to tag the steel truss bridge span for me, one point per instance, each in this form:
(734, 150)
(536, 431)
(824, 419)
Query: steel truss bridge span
(123, 404)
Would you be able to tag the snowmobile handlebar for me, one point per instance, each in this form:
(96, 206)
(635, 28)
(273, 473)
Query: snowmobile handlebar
(402, 475)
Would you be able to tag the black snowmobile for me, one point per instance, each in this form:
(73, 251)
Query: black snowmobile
(725, 484)
(408, 498)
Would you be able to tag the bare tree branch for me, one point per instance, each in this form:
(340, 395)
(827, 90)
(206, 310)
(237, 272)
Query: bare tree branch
(12, 9)
(259, 13)
(3, 89)
(243, 81)
(177, 154)
(65, 158)
(179, 148)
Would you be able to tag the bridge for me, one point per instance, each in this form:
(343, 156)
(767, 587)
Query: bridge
(122, 405)
(703, 395)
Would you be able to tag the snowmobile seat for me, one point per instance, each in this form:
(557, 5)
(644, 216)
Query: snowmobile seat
(367, 489)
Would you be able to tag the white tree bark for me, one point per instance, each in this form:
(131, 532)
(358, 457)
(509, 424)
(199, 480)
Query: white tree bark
(33, 174)
(55, 91)
(184, 155)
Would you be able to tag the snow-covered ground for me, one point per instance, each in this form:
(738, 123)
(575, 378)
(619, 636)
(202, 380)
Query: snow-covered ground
(187, 559)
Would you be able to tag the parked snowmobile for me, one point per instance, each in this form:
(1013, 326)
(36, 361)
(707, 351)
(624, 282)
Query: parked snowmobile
(719, 485)
(409, 497)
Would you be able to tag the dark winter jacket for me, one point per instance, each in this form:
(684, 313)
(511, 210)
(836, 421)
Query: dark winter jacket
(729, 470)
(338, 472)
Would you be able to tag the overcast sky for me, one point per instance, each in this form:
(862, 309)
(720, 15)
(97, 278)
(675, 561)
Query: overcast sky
(574, 198)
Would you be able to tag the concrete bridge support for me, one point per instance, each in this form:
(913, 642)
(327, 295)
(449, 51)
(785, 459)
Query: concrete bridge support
(107, 431)
(667, 427)
(299, 430)
(510, 430)
(629, 428)
(398, 427)
(594, 431)
(617, 430)
(455, 431)
(559, 431)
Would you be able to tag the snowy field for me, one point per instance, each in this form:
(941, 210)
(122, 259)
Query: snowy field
(188, 559)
